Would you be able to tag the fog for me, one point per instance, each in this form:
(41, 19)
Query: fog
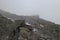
(46, 9)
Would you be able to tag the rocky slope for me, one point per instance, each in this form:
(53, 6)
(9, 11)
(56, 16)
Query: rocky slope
(45, 28)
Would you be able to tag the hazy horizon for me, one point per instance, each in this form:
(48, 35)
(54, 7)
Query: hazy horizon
(46, 9)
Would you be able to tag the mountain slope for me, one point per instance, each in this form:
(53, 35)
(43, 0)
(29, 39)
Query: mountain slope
(44, 27)
(16, 17)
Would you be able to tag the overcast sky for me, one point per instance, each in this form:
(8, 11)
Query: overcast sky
(46, 9)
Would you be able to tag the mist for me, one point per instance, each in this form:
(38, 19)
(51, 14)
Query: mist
(46, 9)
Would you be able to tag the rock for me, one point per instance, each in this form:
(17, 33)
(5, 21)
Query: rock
(46, 29)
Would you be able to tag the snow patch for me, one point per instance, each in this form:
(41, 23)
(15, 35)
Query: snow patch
(11, 20)
(41, 25)
(27, 23)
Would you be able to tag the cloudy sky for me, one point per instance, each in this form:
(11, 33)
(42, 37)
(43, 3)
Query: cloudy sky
(46, 9)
